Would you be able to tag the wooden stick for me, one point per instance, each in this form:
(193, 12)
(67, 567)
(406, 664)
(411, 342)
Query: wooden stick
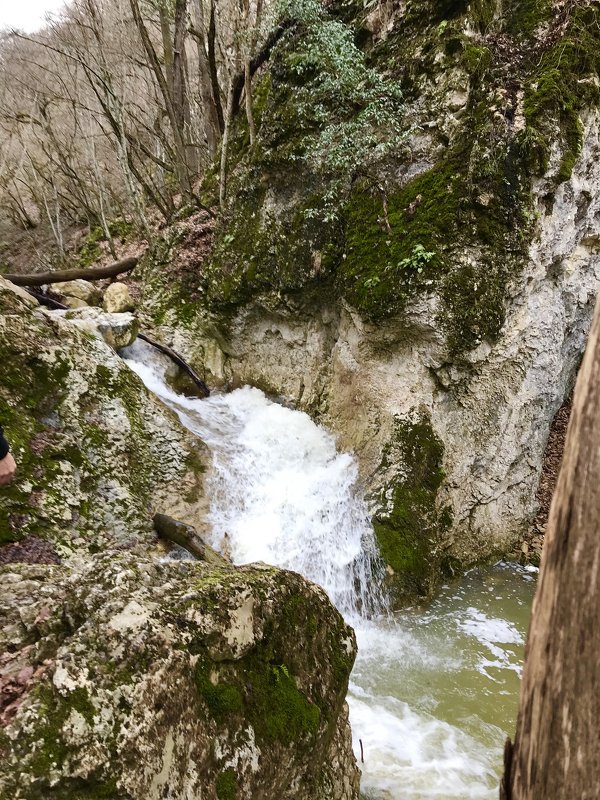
(177, 359)
(179, 533)
(187, 537)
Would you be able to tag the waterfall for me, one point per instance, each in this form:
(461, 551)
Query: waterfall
(280, 491)
(433, 692)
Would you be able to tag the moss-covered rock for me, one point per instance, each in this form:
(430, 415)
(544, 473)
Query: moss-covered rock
(454, 273)
(411, 523)
(143, 676)
(96, 454)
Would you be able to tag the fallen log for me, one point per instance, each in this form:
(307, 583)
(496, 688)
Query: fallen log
(186, 536)
(61, 276)
(50, 302)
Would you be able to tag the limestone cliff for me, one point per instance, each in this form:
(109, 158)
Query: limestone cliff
(431, 302)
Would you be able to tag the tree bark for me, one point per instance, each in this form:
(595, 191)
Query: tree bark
(181, 166)
(259, 59)
(180, 533)
(187, 537)
(212, 63)
(60, 276)
(556, 754)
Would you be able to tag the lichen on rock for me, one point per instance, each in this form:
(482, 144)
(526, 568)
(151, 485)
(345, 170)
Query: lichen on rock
(96, 453)
(149, 680)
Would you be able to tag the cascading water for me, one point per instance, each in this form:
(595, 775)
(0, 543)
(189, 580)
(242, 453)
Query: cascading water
(431, 693)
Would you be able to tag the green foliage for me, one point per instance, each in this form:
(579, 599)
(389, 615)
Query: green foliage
(355, 112)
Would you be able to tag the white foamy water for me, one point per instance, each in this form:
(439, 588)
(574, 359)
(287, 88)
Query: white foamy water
(433, 692)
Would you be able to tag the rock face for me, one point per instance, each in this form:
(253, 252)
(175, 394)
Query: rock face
(117, 299)
(117, 329)
(127, 678)
(435, 319)
(96, 454)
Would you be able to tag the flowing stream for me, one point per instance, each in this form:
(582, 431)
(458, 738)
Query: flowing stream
(434, 690)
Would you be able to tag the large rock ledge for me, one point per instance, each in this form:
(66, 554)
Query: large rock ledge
(127, 678)
(97, 454)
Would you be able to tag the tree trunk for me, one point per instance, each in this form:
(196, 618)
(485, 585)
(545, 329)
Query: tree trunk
(212, 128)
(184, 178)
(212, 63)
(556, 755)
(60, 276)
(225, 148)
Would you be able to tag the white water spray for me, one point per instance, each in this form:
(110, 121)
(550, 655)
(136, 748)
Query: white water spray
(281, 493)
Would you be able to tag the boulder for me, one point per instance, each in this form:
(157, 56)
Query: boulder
(123, 677)
(117, 330)
(81, 290)
(117, 299)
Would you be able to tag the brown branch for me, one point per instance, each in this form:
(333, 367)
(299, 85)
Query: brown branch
(60, 276)
(177, 359)
(186, 536)
(178, 532)
(259, 59)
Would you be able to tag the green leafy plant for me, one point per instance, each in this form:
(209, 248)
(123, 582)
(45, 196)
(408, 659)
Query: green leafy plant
(355, 113)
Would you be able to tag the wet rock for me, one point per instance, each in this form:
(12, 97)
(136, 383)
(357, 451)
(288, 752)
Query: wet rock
(117, 330)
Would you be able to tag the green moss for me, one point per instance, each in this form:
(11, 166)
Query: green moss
(226, 785)
(48, 746)
(379, 272)
(90, 250)
(412, 522)
(79, 699)
(279, 711)
(560, 87)
(264, 693)
(221, 699)
(30, 391)
(523, 17)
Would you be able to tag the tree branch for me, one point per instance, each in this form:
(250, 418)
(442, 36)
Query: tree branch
(60, 276)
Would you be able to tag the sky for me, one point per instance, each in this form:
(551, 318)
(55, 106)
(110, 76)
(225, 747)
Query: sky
(27, 15)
